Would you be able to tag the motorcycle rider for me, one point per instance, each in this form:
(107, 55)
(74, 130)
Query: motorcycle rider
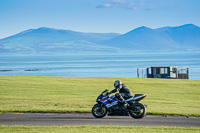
(124, 92)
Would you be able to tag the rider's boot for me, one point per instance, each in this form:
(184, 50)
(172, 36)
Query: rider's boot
(123, 104)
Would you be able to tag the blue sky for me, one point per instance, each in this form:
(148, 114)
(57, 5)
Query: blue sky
(102, 16)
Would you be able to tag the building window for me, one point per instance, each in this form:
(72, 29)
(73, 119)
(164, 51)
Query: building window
(163, 71)
(174, 70)
(149, 70)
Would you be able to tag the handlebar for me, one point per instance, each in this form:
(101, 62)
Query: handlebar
(106, 91)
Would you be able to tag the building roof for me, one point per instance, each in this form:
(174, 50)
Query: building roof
(164, 66)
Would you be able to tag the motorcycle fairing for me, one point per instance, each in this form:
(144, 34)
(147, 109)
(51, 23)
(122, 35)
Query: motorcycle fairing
(108, 102)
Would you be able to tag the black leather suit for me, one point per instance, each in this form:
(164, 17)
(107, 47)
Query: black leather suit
(124, 92)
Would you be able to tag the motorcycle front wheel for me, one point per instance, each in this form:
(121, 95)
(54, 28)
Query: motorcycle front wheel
(138, 111)
(99, 110)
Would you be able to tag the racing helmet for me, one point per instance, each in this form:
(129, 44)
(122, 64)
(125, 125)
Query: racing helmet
(118, 84)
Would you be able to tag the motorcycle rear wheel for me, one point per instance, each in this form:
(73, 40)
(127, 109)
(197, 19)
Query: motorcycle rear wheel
(99, 110)
(138, 112)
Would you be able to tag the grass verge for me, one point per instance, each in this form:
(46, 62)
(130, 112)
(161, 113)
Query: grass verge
(78, 94)
(95, 129)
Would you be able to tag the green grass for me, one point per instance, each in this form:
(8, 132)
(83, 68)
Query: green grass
(95, 129)
(78, 94)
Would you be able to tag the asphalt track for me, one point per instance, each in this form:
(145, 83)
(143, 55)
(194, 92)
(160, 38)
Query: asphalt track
(58, 119)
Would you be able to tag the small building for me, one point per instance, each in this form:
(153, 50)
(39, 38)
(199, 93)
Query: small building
(172, 72)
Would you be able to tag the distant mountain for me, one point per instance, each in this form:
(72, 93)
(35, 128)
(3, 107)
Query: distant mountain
(186, 36)
(166, 38)
(53, 40)
(48, 40)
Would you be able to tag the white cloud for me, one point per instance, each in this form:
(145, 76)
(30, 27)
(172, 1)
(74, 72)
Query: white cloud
(127, 4)
(148, 5)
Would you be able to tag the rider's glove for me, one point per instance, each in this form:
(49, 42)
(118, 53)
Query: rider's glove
(109, 93)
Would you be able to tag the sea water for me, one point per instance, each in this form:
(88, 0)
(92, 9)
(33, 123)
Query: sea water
(96, 65)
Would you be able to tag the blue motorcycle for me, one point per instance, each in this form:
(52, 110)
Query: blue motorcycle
(114, 107)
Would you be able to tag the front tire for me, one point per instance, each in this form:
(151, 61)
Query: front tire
(138, 111)
(99, 110)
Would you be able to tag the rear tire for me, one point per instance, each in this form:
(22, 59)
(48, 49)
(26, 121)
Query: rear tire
(99, 110)
(138, 112)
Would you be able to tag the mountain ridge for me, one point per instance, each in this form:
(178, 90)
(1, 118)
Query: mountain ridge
(50, 40)
(168, 37)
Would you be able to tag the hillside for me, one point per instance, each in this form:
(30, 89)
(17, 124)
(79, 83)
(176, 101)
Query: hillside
(47, 40)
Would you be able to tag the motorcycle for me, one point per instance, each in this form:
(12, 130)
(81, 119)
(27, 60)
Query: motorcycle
(114, 107)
